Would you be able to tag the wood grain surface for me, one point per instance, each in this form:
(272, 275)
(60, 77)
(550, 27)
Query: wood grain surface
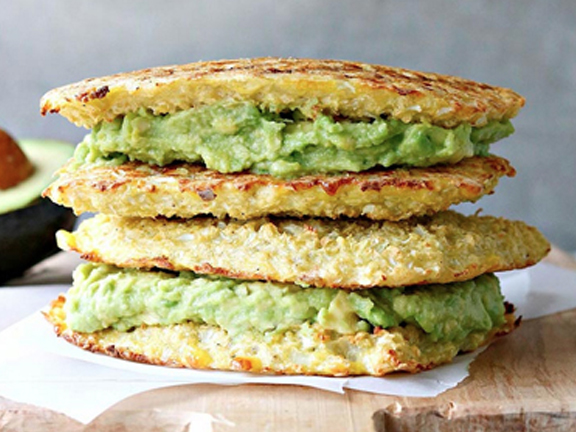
(523, 382)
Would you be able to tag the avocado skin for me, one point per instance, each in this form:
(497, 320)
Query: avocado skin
(27, 236)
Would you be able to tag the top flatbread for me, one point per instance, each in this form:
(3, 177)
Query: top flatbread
(349, 89)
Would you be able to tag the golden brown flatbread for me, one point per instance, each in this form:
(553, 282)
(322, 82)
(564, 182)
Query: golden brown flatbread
(342, 88)
(185, 190)
(344, 253)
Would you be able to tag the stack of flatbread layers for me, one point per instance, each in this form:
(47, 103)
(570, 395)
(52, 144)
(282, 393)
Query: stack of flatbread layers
(286, 216)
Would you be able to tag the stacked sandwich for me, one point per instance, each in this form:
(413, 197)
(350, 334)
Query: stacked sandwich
(286, 216)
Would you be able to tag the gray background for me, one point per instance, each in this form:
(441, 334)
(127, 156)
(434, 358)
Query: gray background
(527, 45)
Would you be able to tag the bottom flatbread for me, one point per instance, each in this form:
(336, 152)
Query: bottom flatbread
(309, 350)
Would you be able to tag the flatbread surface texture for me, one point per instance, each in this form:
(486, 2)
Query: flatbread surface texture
(345, 253)
(343, 88)
(185, 190)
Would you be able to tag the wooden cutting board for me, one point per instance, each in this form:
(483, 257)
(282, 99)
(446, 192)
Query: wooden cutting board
(524, 382)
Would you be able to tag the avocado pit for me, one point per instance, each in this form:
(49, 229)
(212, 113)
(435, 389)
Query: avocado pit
(14, 165)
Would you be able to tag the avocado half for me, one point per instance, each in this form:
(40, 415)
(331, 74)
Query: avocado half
(28, 223)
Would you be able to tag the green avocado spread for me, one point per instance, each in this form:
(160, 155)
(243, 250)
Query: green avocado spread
(239, 137)
(105, 296)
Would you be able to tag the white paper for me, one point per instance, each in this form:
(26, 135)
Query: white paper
(35, 365)
(541, 290)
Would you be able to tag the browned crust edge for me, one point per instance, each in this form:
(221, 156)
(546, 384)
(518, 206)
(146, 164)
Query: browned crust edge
(164, 263)
(370, 180)
(468, 181)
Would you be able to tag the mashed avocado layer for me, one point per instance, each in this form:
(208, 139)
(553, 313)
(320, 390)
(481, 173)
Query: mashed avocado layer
(105, 296)
(239, 137)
